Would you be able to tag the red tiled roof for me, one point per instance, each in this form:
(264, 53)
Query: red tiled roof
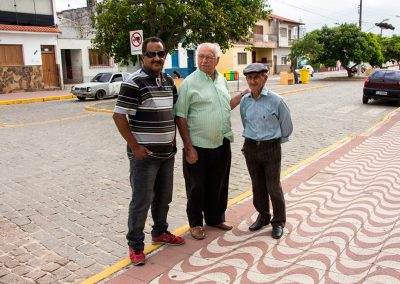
(285, 19)
(29, 29)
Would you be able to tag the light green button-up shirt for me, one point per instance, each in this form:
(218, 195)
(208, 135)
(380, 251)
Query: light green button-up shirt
(205, 104)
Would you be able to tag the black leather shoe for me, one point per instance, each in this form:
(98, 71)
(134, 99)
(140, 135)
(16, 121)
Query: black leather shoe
(262, 220)
(277, 232)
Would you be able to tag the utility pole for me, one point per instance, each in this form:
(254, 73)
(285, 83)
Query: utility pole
(360, 22)
(360, 26)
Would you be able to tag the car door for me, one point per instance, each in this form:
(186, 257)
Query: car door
(115, 84)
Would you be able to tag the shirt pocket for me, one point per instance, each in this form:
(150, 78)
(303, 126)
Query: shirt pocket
(270, 123)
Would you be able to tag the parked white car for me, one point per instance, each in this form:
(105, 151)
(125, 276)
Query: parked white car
(103, 85)
(308, 67)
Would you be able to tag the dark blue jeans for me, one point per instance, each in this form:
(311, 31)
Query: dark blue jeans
(152, 182)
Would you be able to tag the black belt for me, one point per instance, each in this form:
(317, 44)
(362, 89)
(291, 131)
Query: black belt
(262, 141)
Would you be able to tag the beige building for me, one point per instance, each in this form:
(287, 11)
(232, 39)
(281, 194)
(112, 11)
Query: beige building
(270, 44)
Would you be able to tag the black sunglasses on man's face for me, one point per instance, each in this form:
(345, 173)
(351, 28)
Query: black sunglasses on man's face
(152, 54)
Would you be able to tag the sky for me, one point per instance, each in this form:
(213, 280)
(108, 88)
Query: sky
(317, 13)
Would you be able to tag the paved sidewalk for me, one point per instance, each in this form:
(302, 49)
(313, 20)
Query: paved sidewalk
(343, 226)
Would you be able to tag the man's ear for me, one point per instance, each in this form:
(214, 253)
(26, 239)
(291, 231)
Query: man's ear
(217, 61)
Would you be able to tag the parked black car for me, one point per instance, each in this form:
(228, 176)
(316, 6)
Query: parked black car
(382, 84)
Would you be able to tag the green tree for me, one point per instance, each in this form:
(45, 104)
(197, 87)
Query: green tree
(193, 21)
(307, 48)
(345, 43)
(391, 49)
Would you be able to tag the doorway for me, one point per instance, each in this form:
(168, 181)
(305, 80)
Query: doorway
(49, 66)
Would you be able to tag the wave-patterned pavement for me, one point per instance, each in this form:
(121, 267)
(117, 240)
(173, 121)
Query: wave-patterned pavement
(343, 226)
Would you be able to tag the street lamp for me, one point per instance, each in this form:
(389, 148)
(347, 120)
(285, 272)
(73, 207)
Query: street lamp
(380, 24)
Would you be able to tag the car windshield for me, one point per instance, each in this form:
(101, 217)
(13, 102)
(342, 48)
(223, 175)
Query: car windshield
(378, 74)
(101, 77)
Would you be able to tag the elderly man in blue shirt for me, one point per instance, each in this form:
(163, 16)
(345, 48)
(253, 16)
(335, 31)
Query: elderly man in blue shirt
(267, 123)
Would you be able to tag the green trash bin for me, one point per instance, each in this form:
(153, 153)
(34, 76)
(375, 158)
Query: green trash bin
(231, 76)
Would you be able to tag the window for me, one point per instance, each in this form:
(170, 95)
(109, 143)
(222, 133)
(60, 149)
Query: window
(258, 30)
(392, 75)
(283, 32)
(97, 59)
(117, 78)
(284, 60)
(11, 55)
(242, 58)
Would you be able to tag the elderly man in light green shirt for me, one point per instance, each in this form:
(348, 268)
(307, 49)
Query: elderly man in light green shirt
(203, 119)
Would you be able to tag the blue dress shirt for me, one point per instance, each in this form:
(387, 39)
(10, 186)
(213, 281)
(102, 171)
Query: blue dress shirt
(266, 118)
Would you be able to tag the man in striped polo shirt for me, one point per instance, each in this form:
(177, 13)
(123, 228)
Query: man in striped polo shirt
(203, 115)
(147, 98)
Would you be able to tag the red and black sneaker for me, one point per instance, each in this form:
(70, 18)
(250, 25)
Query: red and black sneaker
(168, 238)
(137, 256)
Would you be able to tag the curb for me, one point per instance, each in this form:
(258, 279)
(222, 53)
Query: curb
(37, 100)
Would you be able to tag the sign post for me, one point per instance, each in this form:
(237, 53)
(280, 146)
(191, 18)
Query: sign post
(136, 41)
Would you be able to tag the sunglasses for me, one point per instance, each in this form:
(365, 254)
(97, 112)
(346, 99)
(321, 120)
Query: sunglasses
(152, 54)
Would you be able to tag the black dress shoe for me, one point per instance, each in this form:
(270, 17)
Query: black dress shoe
(277, 232)
(262, 220)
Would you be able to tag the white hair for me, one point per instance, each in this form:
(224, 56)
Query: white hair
(214, 46)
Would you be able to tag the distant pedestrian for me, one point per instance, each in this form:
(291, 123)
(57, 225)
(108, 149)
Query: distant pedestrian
(177, 75)
(147, 99)
(266, 123)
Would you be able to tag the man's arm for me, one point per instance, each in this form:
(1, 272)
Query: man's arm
(285, 121)
(236, 100)
(122, 124)
(190, 151)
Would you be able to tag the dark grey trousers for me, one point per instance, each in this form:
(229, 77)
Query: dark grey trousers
(207, 184)
(263, 161)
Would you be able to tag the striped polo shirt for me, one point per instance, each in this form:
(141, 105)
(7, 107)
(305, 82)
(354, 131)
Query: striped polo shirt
(148, 102)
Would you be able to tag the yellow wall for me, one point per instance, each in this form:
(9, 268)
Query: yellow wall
(229, 60)
(225, 61)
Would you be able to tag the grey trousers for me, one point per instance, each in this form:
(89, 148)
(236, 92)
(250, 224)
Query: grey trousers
(152, 182)
(263, 161)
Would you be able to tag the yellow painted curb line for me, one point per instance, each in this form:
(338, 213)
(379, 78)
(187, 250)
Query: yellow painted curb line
(36, 100)
(302, 90)
(93, 108)
(125, 262)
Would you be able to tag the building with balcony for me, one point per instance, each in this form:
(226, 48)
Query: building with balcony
(270, 44)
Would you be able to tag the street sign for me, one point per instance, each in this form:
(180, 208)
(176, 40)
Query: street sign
(136, 41)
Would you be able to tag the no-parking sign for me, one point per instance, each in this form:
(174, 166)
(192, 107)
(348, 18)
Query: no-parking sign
(136, 41)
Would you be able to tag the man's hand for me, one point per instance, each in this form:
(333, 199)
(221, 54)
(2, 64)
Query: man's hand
(140, 152)
(191, 155)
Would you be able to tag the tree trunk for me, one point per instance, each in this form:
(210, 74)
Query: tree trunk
(349, 71)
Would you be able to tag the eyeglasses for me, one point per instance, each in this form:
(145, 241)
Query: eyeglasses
(152, 54)
(206, 57)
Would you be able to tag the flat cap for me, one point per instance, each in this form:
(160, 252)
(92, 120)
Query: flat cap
(255, 68)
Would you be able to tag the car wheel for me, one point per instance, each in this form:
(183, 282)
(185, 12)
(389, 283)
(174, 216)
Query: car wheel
(365, 100)
(100, 95)
(81, 98)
